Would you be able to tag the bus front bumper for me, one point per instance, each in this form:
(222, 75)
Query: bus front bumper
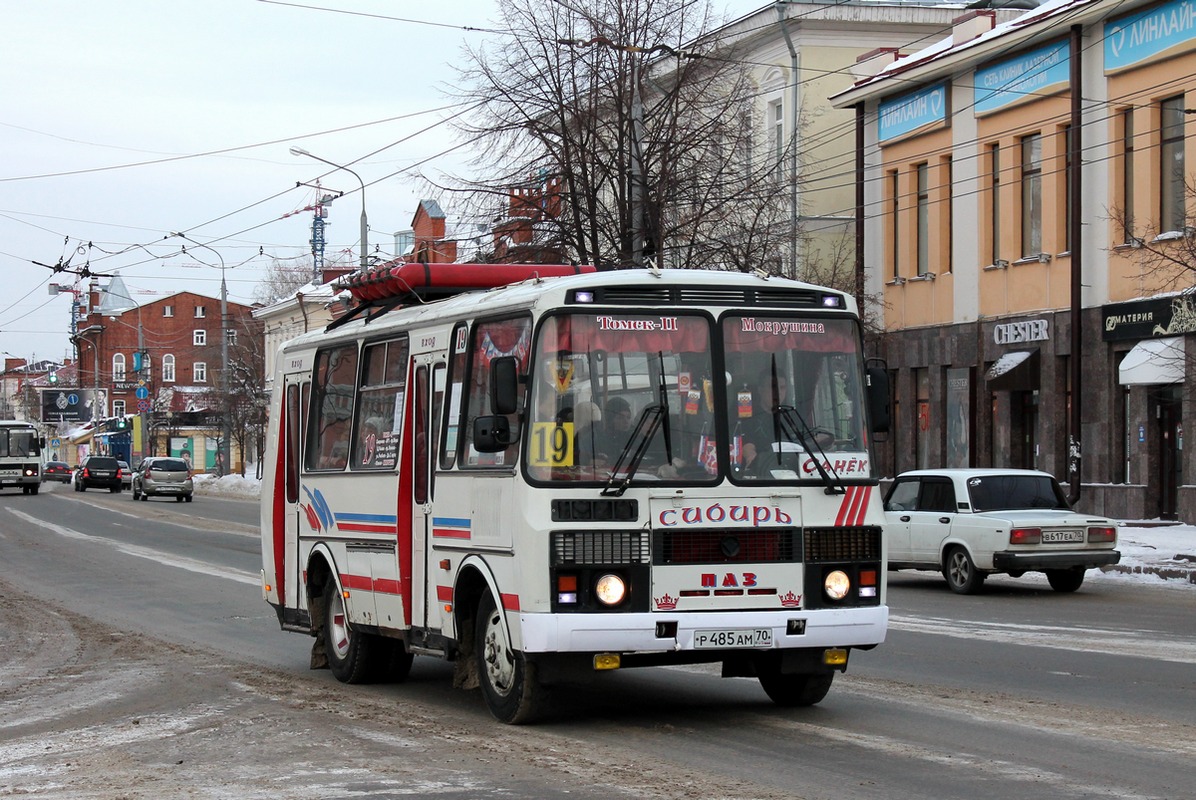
(638, 633)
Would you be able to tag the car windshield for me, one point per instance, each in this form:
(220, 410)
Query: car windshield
(1010, 492)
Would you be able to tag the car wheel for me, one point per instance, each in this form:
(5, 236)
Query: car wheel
(961, 573)
(114, 489)
(795, 691)
(508, 679)
(1065, 580)
(178, 498)
(136, 494)
(187, 497)
(34, 489)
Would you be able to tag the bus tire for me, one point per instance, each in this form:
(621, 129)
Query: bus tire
(507, 678)
(348, 651)
(796, 690)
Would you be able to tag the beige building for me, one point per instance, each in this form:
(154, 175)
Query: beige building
(1027, 230)
(801, 53)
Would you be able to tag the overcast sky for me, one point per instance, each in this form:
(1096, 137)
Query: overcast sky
(124, 121)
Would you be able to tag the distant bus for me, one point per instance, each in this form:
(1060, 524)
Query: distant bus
(20, 455)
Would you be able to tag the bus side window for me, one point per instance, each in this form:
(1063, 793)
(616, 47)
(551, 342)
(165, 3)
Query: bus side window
(380, 402)
(491, 340)
(332, 408)
(452, 412)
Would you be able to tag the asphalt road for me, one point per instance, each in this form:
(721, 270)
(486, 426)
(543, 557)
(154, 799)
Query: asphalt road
(141, 662)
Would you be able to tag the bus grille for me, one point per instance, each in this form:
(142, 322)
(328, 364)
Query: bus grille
(600, 547)
(842, 544)
(770, 546)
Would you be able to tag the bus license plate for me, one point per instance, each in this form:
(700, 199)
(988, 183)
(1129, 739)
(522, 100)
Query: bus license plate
(732, 637)
(1056, 537)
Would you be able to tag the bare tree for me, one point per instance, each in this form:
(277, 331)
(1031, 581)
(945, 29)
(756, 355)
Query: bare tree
(644, 149)
(283, 279)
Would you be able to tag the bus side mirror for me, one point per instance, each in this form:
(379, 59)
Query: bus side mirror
(41, 442)
(878, 398)
(504, 385)
(492, 434)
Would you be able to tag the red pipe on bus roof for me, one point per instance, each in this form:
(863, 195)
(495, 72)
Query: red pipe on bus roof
(415, 277)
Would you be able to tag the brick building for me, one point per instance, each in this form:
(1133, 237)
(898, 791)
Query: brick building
(160, 364)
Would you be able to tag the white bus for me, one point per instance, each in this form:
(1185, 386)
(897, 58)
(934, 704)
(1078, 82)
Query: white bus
(20, 455)
(539, 471)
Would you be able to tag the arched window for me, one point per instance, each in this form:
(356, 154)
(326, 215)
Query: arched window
(118, 367)
(168, 369)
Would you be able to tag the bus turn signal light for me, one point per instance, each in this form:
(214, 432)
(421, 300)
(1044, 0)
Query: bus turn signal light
(607, 661)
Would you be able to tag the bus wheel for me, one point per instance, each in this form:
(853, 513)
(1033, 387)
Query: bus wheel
(347, 651)
(508, 679)
(790, 691)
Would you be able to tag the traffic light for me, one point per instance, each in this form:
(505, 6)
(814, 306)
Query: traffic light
(52, 378)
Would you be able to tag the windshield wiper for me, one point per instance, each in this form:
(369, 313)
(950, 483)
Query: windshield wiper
(789, 421)
(651, 419)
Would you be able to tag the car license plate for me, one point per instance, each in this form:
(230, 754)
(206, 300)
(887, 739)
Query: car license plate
(733, 637)
(1061, 537)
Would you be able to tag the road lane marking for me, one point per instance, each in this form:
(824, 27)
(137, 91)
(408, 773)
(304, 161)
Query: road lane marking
(1138, 643)
(167, 559)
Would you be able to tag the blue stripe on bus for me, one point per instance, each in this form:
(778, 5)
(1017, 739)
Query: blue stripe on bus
(366, 518)
(456, 522)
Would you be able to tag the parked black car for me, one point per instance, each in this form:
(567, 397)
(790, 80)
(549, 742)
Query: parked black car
(98, 472)
(56, 471)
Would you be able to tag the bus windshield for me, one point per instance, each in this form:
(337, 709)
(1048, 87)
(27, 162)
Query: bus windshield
(19, 443)
(624, 398)
(796, 406)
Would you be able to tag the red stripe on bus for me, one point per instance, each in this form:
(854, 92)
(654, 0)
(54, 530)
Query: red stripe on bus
(450, 533)
(362, 582)
(365, 527)
(510, 602)
(385, 586)
(278, 532)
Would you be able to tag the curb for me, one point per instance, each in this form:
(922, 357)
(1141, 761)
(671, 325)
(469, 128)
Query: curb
(1187, 574)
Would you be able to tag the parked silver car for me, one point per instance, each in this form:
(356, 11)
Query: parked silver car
(163, 477)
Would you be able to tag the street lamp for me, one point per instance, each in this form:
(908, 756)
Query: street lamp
(365, 244)
(225, 422)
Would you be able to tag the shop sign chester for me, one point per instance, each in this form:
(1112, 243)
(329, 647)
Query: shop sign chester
(1030, 330)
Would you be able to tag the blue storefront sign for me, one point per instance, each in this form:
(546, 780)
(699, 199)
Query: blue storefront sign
(1037, 73)
(1154, 33)
(911, 112)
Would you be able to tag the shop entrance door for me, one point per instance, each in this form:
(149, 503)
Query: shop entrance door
(1170, 439)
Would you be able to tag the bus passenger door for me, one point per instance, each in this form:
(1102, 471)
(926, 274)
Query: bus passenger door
(428, 393)
(288, 560)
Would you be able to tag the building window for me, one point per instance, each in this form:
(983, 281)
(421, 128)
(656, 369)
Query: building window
(199, 372)
(895, 220)
(995, 179)
(923, 173)
(1031, 195)
(200, 312)
(168, 368)
(118, 367)
(1171, 177)
(199, 338)
(946, 217)
(118, 408)
(778, 138)
(1127, 174)
(168, 311)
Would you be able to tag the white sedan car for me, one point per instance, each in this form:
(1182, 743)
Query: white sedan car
(969, 523)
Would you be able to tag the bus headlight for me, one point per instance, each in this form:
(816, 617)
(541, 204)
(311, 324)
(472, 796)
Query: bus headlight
(610, 589)
(836, 584)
